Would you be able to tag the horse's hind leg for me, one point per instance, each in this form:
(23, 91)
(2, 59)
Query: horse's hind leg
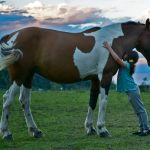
(24, 99)
(8, 98)
(92, 104)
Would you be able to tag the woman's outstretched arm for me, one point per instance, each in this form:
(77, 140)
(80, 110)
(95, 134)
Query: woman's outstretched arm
(114, 55)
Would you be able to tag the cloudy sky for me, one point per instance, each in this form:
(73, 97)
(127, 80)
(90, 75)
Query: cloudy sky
(72, 13)
(110, 8)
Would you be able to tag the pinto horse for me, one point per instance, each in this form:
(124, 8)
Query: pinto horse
(67, 58)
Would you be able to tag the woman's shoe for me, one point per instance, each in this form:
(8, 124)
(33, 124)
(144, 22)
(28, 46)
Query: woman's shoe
(144, 133)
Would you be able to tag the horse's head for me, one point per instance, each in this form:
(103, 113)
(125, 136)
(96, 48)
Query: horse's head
(144, 42)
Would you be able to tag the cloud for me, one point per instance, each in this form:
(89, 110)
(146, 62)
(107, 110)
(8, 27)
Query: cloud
(4, 7)
(61, 13)
(36, 4)
(101, 21)
(11, 22)
(61, 16)
(144, 16)
(142, 61)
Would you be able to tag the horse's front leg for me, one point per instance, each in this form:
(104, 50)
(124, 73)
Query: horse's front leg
(104, 89)
(102, 131)
(8, 98)
(92, 104)
(24, 99)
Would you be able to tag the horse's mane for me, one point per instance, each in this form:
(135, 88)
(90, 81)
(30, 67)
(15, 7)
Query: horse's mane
(126, 23)
(91, 30)
(133, 23)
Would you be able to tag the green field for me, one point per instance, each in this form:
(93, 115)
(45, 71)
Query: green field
(61, 114)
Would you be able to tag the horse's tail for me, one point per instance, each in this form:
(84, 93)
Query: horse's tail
(9, 54)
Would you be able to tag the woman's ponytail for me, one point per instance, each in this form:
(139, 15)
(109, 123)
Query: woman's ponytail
(132, 59)
(132, 68)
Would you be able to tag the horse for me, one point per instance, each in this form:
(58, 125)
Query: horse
(65, 57)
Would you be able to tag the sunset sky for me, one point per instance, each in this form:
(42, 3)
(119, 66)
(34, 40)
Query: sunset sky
(109, 8)
(81, 13)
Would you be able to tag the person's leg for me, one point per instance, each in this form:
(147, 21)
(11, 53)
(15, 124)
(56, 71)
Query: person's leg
(135, 100)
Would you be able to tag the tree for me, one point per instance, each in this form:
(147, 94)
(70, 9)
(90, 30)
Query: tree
(1, 2)
(144, 86)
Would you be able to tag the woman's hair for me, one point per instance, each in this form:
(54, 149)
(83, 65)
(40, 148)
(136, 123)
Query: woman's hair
(132, 58)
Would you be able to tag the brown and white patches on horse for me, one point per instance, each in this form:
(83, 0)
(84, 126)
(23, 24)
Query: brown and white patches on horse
(59, 57)
(85, 43)
(8, 54)
(94, 61)
(9, 42)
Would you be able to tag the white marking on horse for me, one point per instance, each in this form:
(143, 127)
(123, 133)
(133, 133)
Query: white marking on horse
(10, 43)
(89, 121)
(89, 118)
(95, 61)
(8, 54)
(24, 99)
(8, 98)
(102, 107)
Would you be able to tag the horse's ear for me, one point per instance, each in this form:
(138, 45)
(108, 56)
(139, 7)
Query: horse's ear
(147, 24)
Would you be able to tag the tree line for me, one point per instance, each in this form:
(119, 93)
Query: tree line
(40, 83)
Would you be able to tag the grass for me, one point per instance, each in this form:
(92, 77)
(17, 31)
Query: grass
(61, 114)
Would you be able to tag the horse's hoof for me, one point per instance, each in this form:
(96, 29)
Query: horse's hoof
(37, 134)
(105, 134)
(92, 131)
(8, 137)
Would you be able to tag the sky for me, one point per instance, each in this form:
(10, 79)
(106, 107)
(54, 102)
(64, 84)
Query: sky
(111, 8)
(70, 15)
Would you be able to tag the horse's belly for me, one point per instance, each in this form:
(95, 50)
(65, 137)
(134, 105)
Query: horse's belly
(61, 73)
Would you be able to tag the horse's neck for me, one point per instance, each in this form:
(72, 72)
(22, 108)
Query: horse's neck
(130, 38)
(131, 35)
(125, 44)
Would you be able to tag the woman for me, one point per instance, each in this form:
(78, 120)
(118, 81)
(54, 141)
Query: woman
(125, 83)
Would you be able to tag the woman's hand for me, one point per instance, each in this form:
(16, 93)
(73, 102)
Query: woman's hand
(106, 45)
